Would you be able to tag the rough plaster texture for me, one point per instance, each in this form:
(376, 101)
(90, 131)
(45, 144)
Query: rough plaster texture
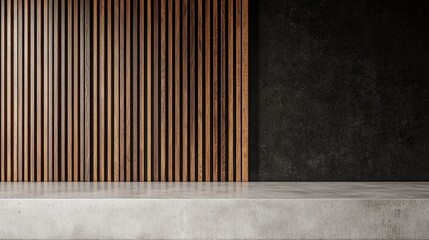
(339, 90)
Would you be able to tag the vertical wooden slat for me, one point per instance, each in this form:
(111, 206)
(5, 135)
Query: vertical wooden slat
(116, 90)
(127, 91)
(245, 91)
(76, 111)
(122, 80)
(238, 91)
(32, 91)
(63, 92)
(163, 91)
(223, 92)
(170, 90)
(39, 95)
(87, 91)
(149, 92)
(2, 92)
(155, 92)
(135, 88)
(15, 90)
(185, 90)
(45, 91)
(215, 91)
(207, 91)
(55, 90)
(19, 65)
(26, 116)
(101, 60)
(50, 88)
(230, 91)
(200, 90)
(142, 90)
(192, 89)
(8, 66)
(69, 91)
(177, 81)
(82, 90)
(95, 91)
(109, 89)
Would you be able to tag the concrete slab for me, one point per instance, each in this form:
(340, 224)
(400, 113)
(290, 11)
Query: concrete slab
(288, 210)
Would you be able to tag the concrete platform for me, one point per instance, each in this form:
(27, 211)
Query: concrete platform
(214, 210)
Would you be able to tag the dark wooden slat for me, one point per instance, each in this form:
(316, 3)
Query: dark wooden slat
(215, 90)
(39, 94)
(63, 65)
(15, 91)
(87, 83)
(163, 91)
(230, 91)
(177, 92)
(122, 80)
(50, 89)
(192, 89)
(245, 91)
(207, 91)
(127, 91)
(32, 91)
(142, 89)
(19, 24)
(149, 92)
(9, 81)
(101, 59)
(170, 90)
(116, 90)
(155, 91)
(238, 91)
(223, 92)
(95, 80)
(200, 90)
(185, 90)
(45, 92)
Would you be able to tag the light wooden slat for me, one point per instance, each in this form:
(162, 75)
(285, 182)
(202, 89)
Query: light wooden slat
(185, 90)
(8, 66)
(26, 112)
(155, 90)
(63, 65)
(19, 25)
(149, 92)
(32, 91)
(101, 60)
(207, 91)
(76, 112)
(223, 92)
(163, 91)
(69, 91)
(39, 95)
(95, 80)
(192, 57)
(50, 89)
(135, 88)
(177, 91)
(2, 93)
(55, 90)
(45, 92)
(245, 91)
(109, 90)
(200, 90)
(87, 84)
(14, 92)
(116, 90)
(82, 90)
(238, 90)
(215, 90)
(122, 80)
(230, 91)
(170, 90)
(142, 90)
(127, 91)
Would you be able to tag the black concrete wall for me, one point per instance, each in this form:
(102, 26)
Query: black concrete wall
(339, 90)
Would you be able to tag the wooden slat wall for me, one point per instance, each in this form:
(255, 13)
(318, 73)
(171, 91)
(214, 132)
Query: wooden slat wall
(124, 90)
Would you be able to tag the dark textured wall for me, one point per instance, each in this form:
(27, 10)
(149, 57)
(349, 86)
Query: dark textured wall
(339, 90)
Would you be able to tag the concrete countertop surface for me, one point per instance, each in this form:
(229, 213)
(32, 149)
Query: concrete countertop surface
(219, 190)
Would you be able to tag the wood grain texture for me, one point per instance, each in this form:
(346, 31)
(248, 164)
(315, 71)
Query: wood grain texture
(124, 90)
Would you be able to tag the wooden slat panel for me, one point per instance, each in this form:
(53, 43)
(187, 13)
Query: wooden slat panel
(67, 71)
